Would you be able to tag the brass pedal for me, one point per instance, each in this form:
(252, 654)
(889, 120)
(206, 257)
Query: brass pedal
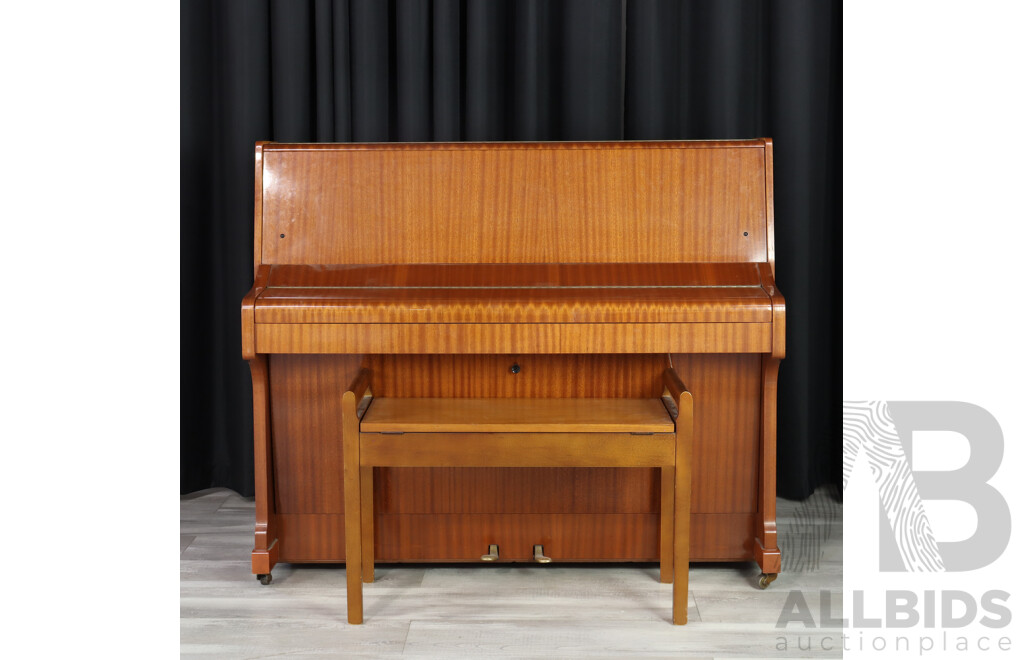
(538, 555)
(492, 553)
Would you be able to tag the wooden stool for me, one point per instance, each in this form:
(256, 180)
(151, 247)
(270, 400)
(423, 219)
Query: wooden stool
(403, 432)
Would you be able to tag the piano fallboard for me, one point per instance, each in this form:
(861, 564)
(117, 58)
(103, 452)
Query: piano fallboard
(486, 308)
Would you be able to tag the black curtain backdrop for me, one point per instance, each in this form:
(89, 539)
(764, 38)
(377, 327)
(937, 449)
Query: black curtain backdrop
(429, 70)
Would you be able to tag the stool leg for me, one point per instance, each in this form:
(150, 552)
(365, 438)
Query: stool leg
(353, 507)
(366, 515)
(681, 532)
(681, 543)
(668, 506)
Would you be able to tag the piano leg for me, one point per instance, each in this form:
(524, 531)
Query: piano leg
(265, 549)
(766, 546)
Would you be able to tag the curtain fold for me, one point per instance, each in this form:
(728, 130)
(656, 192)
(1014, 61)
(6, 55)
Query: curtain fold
(422, 70)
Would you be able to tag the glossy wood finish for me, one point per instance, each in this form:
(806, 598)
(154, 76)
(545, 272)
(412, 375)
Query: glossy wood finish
(727, 417)
(540, 376)
(475, 338)
(368, 532)
(556, 415)
(265, 550)
(514, 203)
(463, 537)
(727, 420)
(485, 275)
(766, 546)
(353, 494)
(665, 540)
(450, 514)
(307, 416)
(249, 313)
(514, 305)
(518, 449)
(682, 402)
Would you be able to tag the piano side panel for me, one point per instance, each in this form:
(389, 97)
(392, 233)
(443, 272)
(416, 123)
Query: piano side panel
(495, 203)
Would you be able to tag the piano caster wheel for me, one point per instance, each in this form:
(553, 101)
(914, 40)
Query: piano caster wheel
(264, 578)
(766, 579)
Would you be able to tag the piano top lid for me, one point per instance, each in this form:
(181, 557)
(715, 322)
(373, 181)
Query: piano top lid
(517, 276)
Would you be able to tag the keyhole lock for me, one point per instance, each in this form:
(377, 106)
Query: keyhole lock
(515, 368)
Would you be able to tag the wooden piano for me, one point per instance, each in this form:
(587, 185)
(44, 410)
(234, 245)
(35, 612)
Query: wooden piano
(486, 288)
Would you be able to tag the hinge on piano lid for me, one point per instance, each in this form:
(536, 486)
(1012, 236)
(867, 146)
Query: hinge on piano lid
(392, 432)
(641, 432)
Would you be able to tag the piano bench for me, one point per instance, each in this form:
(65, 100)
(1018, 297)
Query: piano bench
(437, 432)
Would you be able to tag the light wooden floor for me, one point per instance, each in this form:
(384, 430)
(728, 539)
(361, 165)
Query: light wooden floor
(478, 611)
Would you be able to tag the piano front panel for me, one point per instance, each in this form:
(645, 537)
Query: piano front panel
(557, 338)
(445, 514)
(305, 396)
(519, 203)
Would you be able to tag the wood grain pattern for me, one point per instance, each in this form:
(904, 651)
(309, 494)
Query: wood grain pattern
(766, 542)
(778, 314)
(257, 257)
(249, 313)
(726, 393)
(306, 417)
(514, 305)
(368, 533)
(353, 496)
(553, 275)
(474, 338)
(539, 415)
(496, 203)
(518, 450)
(265, 550)
(508, 491)
(306, 391)
(665, 530)
(557, 432)
(312, 537)
(462, 537)
(683, 466)
(600, 376)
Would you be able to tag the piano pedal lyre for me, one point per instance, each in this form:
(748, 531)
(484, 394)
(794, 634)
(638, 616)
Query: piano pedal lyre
(538, 555)
(492, 553)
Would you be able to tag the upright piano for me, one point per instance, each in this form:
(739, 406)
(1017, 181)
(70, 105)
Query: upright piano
(572, 270)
